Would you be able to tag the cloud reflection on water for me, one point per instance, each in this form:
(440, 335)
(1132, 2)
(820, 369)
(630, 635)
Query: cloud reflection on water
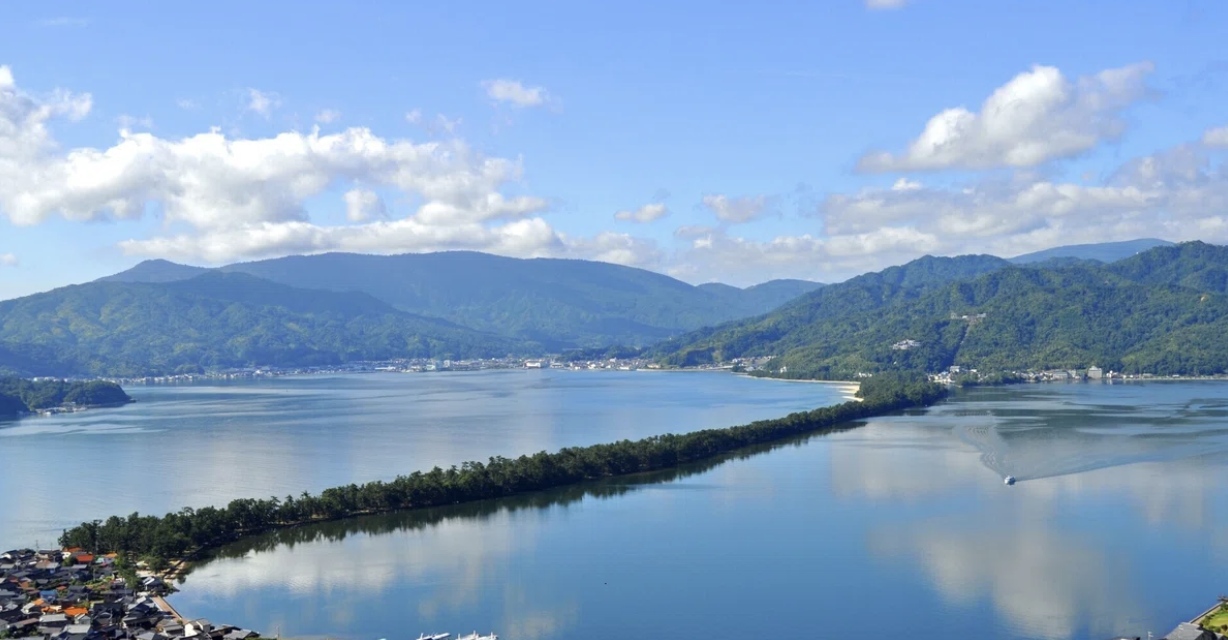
(1044, 583)
(1046, 578)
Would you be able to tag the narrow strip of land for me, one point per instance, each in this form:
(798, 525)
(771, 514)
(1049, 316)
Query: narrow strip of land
(189, 532)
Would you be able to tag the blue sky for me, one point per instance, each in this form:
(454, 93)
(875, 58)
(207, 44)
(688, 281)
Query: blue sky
(811, 140)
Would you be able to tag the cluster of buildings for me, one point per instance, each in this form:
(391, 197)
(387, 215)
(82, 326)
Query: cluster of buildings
(416, 365)
(70, 594)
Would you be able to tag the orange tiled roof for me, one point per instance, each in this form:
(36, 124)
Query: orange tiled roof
(84, 558)
(76, 611)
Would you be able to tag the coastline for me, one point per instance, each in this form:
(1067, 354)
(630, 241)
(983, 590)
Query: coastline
(475, 481)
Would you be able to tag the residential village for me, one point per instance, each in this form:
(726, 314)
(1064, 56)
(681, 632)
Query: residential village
(73, 595)
(420, 365)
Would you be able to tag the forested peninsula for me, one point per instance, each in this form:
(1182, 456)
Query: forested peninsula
(18, 395)
(190, 531)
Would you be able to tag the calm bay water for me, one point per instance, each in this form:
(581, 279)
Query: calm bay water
(207, 444)
(900, 527)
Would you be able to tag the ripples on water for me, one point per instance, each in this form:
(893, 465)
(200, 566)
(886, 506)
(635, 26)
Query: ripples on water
(1083, 432)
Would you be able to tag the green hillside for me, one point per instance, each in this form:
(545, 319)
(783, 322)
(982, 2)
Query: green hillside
(1163, 311)
(821, 314)
(18, 395)
(218, 320)
(559, 303)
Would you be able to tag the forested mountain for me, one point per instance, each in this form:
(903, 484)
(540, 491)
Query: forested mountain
(217, 320)
(1163, 311)
(817, 314)
(156, 271)
(1101, 252)
(558, 303)
(18, 395)
(762, 297)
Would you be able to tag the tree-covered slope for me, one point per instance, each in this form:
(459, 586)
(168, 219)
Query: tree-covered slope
(156, 271)
(218, 320)
(1197, 265)
(18, 395)
(816, 315)
(1164, 313)
(560, 303)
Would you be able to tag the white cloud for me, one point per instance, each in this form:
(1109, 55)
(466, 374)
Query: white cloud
(693, 231)
(126, 121)
(8, 260)
(446, 125)
(1177, 194)
(618, 248)
(515, 93)
(440, 124)
(186, 104)
(262, 102)
(362, 205)
(1216, 137)
(328, 116)
(223, 198)
(646, 213)
(713, 254)
(1036, 117)
(736, 210)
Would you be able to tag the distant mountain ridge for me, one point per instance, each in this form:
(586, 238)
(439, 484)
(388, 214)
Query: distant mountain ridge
(801, 320)
(1163, 311)
(1106, 252)
(558, 303)
(219, 319)
(155, 271)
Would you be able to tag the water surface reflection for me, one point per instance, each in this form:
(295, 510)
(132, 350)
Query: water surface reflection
(809, 537)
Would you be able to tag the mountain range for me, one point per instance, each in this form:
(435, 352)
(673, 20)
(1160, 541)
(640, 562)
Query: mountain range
(1106, 252)
(163, 317)
(222, 320)
(558, 304)
(1162, 311)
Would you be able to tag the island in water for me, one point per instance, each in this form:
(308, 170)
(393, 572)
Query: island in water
(20, 396)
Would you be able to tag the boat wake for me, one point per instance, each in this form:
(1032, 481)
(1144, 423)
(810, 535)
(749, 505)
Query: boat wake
(1021, 453)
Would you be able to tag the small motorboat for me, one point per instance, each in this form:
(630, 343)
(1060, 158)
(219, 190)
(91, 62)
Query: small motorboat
(1008, 480)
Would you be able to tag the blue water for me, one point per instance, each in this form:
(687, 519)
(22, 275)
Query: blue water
(897, 529)
(206, 444)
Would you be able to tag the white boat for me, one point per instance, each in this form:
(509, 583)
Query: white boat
(437, 636)
(475, 636)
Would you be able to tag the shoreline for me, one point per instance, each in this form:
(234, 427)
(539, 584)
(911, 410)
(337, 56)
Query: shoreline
(502, 477)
